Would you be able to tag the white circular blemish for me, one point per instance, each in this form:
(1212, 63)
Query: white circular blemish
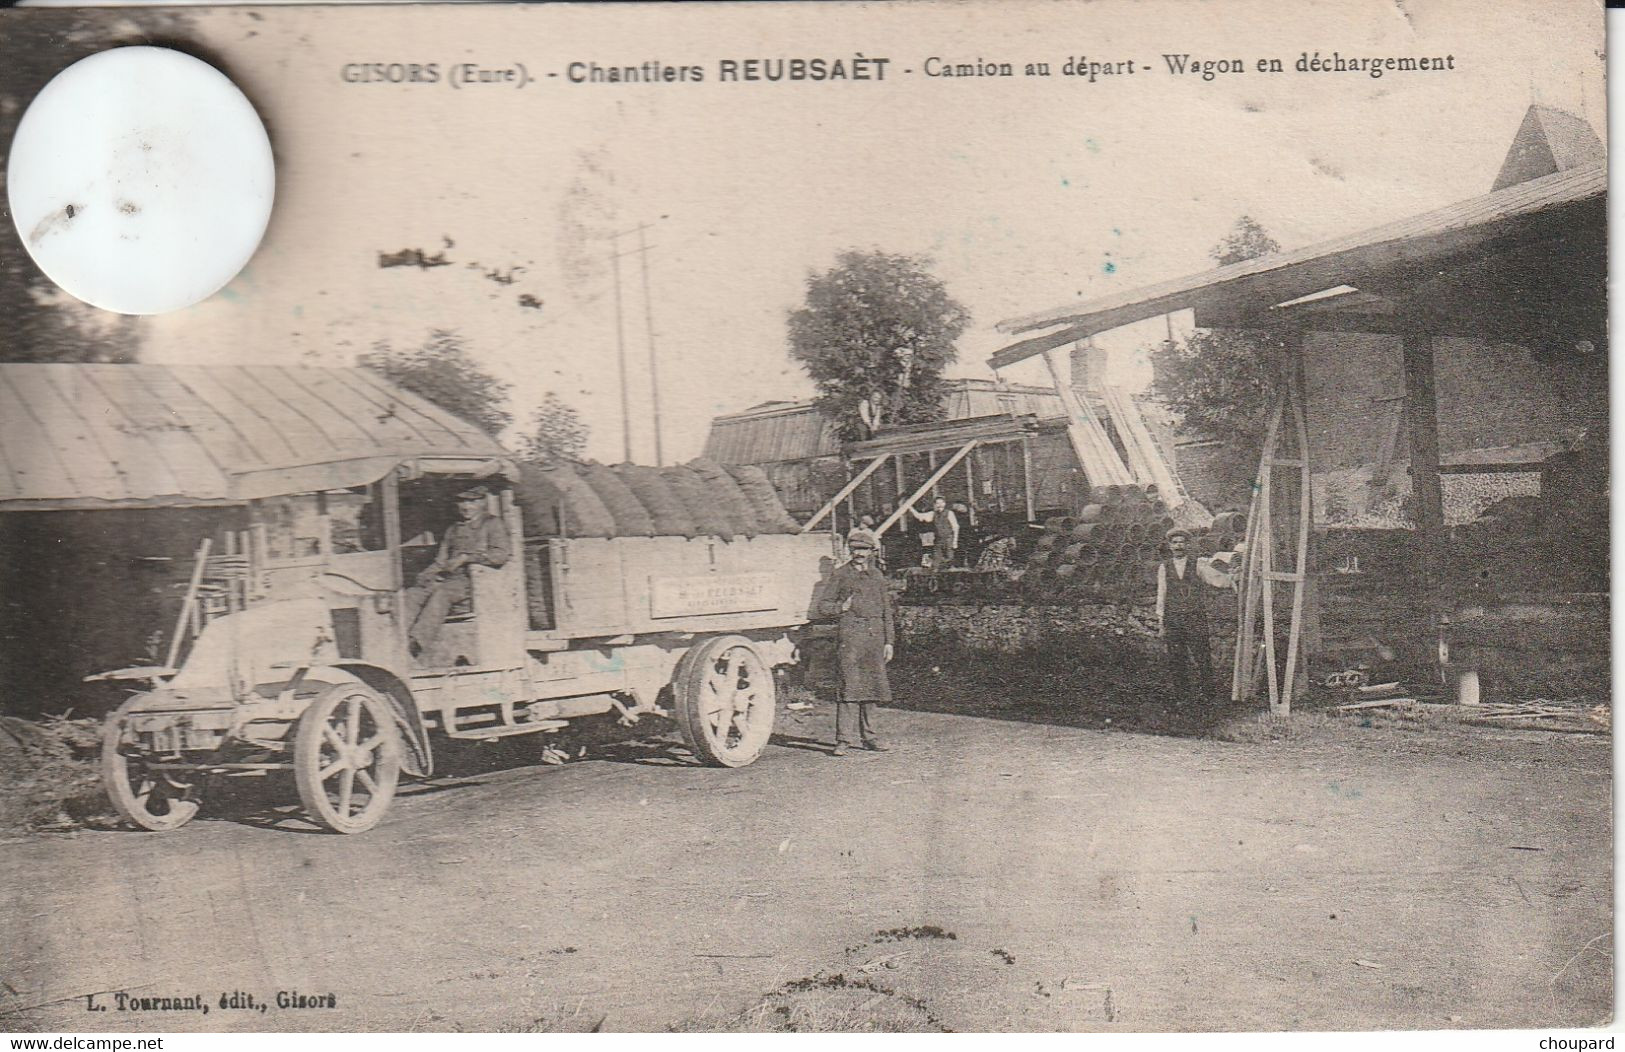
(141, 180)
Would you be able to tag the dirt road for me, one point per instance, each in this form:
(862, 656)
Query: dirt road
(1089, 880)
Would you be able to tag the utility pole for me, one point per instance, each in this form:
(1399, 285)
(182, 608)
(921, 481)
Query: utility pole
(642, 251)
(620, 353)
(649, 323)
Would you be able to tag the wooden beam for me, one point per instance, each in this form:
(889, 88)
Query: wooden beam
(1027, 475)
(1422, 428)
(925, 487)
(1433, 239)
(1522, 467)
(1018, 352)
(1296, 678)
(846, 490)
(946, 435)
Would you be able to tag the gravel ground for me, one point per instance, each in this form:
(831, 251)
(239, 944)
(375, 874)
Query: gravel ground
(987, 874)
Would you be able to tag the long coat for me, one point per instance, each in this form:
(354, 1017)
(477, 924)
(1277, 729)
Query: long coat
(866, 628)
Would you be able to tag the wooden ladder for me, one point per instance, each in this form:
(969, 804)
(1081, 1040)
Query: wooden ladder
(1260, 572)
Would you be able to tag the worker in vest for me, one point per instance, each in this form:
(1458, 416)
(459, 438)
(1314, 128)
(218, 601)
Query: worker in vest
(1182, 602)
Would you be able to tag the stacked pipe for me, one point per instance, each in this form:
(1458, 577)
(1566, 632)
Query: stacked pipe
(1111, 547)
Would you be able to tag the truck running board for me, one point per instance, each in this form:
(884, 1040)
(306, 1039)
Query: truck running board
(505, 730)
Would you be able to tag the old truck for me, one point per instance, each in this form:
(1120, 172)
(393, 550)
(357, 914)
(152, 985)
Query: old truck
(629, 590)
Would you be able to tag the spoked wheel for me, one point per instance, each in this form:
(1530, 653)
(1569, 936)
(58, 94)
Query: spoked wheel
(347, 758)
(725, 701)
(154, 800)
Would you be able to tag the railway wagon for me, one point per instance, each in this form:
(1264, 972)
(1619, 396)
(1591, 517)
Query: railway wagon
(631, 590)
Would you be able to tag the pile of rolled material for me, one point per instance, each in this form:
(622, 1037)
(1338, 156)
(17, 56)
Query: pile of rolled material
(1111, 547)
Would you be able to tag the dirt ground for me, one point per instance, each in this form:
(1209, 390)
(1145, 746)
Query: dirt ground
(987, 874)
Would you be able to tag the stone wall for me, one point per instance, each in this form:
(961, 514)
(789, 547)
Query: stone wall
(1092, 633)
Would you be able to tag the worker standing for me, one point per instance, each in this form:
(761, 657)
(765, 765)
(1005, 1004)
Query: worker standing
(938, 544)
(1182, 616)
(858, 595)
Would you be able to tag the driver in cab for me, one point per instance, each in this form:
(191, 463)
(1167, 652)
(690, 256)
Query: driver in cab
(478, 539)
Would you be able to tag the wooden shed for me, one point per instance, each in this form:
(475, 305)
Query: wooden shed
(1468, 342)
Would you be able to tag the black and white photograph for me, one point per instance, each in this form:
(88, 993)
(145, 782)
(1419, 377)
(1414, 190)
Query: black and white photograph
(919, 517)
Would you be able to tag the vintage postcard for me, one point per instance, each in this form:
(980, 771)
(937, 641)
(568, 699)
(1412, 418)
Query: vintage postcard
(939, 516)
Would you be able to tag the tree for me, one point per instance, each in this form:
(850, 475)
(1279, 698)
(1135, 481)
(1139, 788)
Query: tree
(443, 371)
(1222, 382)
(38, 321)
(557, 432)
(1246, 240)
(875, 334)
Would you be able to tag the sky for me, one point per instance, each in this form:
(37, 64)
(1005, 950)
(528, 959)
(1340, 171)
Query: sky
(1025, 192)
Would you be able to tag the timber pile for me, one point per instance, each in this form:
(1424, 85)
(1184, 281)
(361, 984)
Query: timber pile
(1531, 715)
(1111, 547)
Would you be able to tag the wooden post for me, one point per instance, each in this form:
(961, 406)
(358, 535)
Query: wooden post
(1422, 426)
(189, 607)
(970, 491)
(1027, 475)
(1308, 613)
(925, 488)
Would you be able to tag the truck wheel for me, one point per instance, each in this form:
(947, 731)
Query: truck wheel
(725, 701)
(347, 758)
(156, 801)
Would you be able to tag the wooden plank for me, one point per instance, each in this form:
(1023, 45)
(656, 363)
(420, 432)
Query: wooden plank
(1518, 468)
(1244, 609)
(1242, 679)
(189, 607)
(1094, 450)
(1266, 558)
(925, 487)
(846, 491)
(1295, 391)
(918, 438)
(1025, 349)
(1168, 484)
(1138, 465)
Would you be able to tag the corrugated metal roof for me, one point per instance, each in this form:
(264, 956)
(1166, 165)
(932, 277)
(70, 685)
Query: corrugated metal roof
(973, 398)
(768, 434)
(783, 431)
(1283, 276)
(76, 435)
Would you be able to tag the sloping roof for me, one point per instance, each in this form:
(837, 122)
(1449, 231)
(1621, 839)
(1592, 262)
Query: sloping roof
(775, 432)
(94, 436)
(771, 433)
(1258, 283)
(1549, 140)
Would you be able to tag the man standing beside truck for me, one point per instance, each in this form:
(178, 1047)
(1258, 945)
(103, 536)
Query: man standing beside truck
(858, 595)
(479, 539)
